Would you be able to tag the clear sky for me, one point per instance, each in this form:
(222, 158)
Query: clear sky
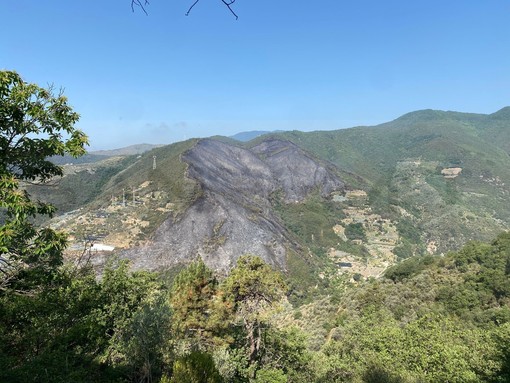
(285, 64)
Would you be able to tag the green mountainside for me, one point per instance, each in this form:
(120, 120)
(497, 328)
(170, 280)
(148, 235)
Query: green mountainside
(443, 175)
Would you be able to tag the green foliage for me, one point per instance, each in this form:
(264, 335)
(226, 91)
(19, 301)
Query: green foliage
(134, 313)
(301, 277)
(34, 125)
(252, 290)
(502, 339)
(410, 242)
(379, 374)
(253, 280)
(312, 220)
(197, 317)
(27, 110)
(434, 319)
(404, 249)
(197, 367)
(270, 375)
(285, 355)
(408, 267)
(408, 230)
(78, 329)
(355, 231)
(485, 281)
(432, 348)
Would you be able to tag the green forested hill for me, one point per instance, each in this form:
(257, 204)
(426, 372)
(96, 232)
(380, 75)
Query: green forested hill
(406, 163)
(449, 137)
(429, 319)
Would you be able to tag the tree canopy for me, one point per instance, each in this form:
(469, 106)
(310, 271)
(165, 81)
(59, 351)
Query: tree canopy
(35, 124)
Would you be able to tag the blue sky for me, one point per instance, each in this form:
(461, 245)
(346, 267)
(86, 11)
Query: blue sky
(284, 64)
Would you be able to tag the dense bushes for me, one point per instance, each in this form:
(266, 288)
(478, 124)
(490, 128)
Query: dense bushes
(431, 319)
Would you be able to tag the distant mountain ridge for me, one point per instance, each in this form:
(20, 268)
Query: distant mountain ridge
(126, 151)
(99, 155)
(248, 136)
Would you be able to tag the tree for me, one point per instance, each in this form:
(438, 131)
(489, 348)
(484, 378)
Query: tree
(355, 231)
(133, 311)
(197, 367)
(253, 289)
(35, 124)
(80, 329)
(197, 319)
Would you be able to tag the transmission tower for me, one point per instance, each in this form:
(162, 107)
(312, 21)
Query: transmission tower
(153, 162)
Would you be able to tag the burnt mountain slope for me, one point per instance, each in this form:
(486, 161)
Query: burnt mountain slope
(297, 171)
(233, 214)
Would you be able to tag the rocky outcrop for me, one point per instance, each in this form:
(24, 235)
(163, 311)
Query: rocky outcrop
(234, 215)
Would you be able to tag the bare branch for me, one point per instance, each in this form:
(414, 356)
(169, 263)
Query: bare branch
(5, 265)
(228, 4)
(190, 8)
(143, 3)
(9, 271)
(87, 251)
(140, 4)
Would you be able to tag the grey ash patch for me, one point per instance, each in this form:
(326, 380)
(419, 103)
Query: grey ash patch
(296, 171)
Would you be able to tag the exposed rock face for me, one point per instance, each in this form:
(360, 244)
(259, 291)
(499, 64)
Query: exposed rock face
(234, 215)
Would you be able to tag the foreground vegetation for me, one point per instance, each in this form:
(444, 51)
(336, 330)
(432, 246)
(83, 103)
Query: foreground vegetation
(431, 319)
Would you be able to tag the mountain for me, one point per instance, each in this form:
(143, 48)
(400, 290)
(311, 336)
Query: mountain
(248, 136)
(100, 155)
(346, 202)
(443, 176)
(233, 213)
(126, 151)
